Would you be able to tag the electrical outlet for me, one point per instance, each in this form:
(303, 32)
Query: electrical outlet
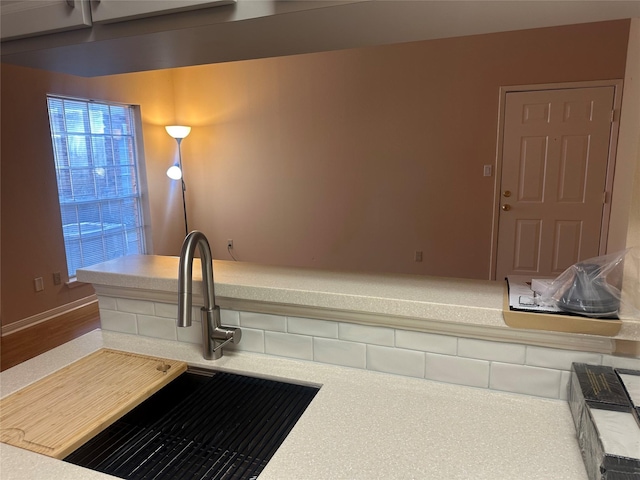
(38, 284)
(418, 256)
(230, 243)
(57, 278)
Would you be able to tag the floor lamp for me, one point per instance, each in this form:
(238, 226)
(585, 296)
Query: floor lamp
(175, 172)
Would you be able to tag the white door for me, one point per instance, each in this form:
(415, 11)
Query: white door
(555, 155)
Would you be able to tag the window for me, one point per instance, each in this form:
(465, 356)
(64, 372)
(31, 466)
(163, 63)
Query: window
(96, 163)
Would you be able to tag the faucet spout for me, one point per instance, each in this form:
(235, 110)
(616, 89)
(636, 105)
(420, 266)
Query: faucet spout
(214, 334)
(194, 240)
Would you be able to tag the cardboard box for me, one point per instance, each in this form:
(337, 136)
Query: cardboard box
(558, 323)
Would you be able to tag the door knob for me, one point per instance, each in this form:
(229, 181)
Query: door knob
(506, 207)
(506, 193)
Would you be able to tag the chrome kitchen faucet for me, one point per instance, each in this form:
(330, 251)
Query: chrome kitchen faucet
(214, 335)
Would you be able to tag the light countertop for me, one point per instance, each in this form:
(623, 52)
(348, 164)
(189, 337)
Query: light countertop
(361, 425)
(406, 295)
(435, 304)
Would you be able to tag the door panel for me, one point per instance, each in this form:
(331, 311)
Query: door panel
(555, 155)
(572, 182)
(567, 240)
(532, 165)
(527, 244)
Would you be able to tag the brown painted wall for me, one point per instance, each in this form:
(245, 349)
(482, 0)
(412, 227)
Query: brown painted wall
(355, 159)
(32, 243)
(347, 160)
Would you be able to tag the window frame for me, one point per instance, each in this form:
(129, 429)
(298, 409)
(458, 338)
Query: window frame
(139, 165)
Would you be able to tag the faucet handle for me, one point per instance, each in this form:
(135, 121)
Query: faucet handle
(224, 332)
(228, 334)
(237, 334)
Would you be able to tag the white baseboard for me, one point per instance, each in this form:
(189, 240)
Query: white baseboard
(47, 315)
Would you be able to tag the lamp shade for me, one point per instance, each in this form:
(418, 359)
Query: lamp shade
(174, 172)
(178, 131)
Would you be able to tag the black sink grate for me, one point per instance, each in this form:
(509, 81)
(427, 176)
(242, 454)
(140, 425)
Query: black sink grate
(227, 427)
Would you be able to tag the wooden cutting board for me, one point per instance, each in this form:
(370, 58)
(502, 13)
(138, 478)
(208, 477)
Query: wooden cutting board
(62, 411)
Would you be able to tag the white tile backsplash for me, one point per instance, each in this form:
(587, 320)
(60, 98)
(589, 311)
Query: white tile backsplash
(462, 371)
(339, 352)
(167, 310)
(395, 360)
(363, 333)
(559, 359)
(135, 306)
(230, 318)
(541, 382)
(192, 334)
(107, 303)
(274, 323)
(118, 321)
(621, 362)
(288, 345)
(252, 341)
(426, 342)
(157, 327)
(314, 328)
(502, 366)
(496, 351)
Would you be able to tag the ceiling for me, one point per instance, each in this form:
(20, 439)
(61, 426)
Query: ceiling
(264, 28)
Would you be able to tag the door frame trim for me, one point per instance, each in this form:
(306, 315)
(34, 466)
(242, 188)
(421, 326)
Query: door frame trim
(613, 145)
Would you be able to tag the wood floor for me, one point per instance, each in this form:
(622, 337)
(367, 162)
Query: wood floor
(24, 344)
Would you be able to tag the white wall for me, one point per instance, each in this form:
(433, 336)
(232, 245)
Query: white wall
(630, 149)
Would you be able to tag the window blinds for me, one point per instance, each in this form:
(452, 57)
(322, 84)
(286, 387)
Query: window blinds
(96, 167)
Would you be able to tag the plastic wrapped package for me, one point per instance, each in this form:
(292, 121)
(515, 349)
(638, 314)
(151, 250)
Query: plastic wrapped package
(593, 288)
(607, 431)
(631, 381)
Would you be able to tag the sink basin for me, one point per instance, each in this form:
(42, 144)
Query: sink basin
(205, 424)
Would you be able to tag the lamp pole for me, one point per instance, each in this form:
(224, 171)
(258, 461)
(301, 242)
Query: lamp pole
(179, 132)
(184, 187)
